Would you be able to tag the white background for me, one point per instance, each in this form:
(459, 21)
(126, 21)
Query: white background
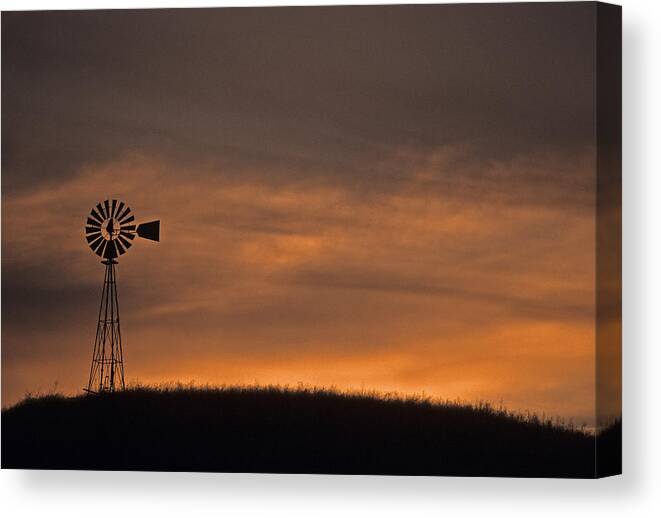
(636, 493)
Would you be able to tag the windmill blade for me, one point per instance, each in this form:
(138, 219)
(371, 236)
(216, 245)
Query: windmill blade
(127, 244)
(99, 251)
(99, 207)
(114, 205)
(106, 204)
(127, 220)
(95, 244)
(124, 214)
(127, 234)
(120, 248)
(96, 216)
(119, 209)
(92, 230)
(127, 228)
(92, 237)
(150, 230)
(93, 223)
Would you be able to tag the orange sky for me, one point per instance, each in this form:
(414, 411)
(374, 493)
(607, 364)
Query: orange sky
(408, 291)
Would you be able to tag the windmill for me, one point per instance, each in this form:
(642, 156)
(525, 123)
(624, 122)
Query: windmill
(110, 231)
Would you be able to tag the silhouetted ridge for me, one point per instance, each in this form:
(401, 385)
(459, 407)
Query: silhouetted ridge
(287, 431)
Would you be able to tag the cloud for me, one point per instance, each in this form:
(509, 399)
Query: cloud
(305, 91)
(310, 280)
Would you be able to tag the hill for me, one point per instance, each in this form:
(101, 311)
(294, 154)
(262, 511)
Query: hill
(286, 431)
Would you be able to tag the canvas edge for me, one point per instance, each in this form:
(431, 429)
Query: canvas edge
(608, 281)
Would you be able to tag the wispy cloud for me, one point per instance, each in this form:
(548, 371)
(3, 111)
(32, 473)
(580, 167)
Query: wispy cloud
(421, 280)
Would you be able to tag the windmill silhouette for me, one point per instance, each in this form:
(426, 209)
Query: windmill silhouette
(110, 231)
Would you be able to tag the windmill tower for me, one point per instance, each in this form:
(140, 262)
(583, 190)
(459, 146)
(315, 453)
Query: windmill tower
(110, 231)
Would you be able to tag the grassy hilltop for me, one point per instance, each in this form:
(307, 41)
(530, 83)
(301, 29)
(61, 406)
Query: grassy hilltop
(248, 429)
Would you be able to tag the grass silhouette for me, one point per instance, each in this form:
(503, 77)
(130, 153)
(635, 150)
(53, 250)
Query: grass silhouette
(289, 430)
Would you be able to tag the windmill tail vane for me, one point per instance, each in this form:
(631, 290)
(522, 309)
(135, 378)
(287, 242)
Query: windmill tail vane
(110, 231)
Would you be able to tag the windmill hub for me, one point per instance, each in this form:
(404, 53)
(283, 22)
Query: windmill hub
(110, 230)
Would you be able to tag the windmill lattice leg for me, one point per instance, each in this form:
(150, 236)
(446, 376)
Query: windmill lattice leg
(107, 369)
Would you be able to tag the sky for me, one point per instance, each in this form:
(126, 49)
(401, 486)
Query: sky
(393, 198)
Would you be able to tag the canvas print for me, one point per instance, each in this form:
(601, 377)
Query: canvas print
(342, 240)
